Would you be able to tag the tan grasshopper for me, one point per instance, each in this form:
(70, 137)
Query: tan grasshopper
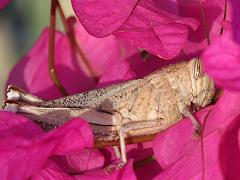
(128, 109)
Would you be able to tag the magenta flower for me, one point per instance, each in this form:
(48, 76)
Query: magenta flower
(222, 62)
(162, 29)
(3, 3)
(25, 148)
(151, 25)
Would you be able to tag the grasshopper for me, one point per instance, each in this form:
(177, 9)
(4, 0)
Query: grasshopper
(129, 109)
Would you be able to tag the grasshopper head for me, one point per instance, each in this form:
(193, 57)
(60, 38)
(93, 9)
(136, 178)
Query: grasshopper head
(202, 85)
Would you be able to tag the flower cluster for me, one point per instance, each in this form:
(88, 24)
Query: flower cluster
(110, 35)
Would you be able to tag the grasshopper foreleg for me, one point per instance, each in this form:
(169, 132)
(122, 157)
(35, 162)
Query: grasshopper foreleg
(197, 126)
(117, 152)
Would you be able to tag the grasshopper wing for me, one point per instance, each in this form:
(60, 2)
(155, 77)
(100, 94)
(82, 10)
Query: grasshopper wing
(97, 97)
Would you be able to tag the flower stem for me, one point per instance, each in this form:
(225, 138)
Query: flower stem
(144, 162)
(224, 16)
(72, 39)
(51, 66)
(145, 55)
(205, 23)
(202, 145)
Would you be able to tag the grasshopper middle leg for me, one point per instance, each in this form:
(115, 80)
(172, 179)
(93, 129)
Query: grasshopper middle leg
(131, 127)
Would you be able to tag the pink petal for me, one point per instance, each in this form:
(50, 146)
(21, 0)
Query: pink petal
(189, 2)
(102, 17)
(22, 157)
(60, 166)
(236, 15)
(124, 70)
(14, 126)
(181, 158)
(3, 3)
(222, 62)
(52, 170)
(86, 159)
(190, 165)
(124, 173)
(103, 52)
(164, 40)
(141, 23)
(214, 12)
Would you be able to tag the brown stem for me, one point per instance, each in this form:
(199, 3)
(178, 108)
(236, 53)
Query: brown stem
(202, 145)
(205, 23)
(72, 38)
(217, 95)
(224, 16)
(144, 54)
(129, 140)
(144, 162)
(51, 66)
(64, 21)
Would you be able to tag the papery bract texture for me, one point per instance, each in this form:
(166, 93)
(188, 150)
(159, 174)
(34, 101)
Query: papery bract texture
(189, 2)
(222, 62)
(218, 157)
(64, 166)
(101, 18)
(25, 149)
(3, 3)
(124, 173)
(210, 14)
(236, 23)
(151, 25)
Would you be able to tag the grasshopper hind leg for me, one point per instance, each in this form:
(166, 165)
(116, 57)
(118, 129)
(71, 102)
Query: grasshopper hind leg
(16, 94)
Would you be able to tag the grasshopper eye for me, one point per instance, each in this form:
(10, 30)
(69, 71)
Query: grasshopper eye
(198, 71)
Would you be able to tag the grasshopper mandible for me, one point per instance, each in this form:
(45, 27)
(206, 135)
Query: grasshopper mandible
(128, 109)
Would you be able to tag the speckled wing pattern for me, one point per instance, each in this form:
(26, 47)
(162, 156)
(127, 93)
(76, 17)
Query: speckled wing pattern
(93, 97)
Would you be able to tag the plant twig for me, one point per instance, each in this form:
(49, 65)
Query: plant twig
(144, 162)
(205, 23)
(51, 66)
(202, 145)
(224, 16)
(72, 38)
